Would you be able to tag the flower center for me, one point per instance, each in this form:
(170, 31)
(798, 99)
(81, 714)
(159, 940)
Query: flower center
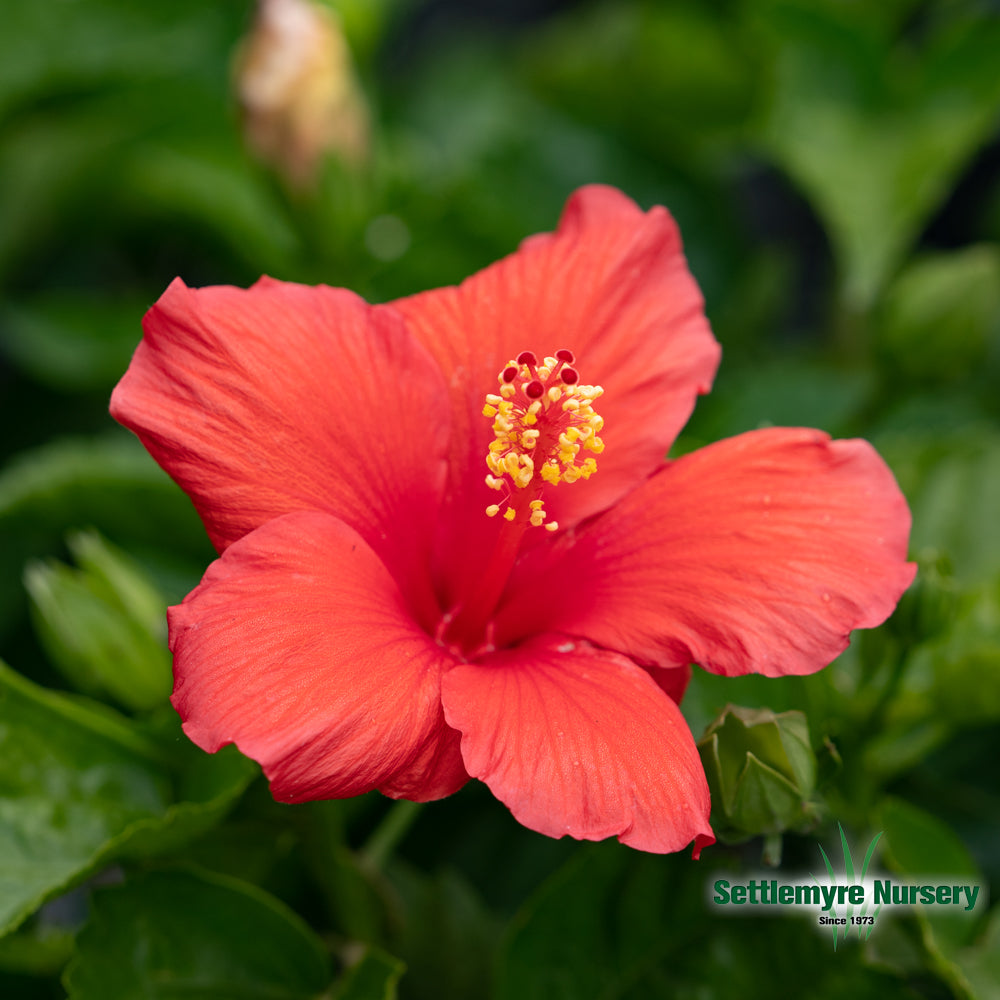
(543, 424)
(543, 419)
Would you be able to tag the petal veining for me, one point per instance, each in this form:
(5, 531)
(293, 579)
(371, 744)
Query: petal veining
(580, 742)
(284, 397)
(756, 554)
(299, 648)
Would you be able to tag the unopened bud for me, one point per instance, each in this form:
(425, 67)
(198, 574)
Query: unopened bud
(296, 87)
(761, 772)
(103, 624)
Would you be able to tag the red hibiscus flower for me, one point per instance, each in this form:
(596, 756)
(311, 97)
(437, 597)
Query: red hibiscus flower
(411, 592)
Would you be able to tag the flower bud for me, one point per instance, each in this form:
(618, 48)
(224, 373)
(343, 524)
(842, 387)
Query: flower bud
(296, 87)
(102, 625)
(761, 772)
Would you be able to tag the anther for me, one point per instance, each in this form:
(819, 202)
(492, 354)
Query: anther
(542, 420)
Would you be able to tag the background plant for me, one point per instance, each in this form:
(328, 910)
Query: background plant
(833, 166)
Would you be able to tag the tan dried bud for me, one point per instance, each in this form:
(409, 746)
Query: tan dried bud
(296, 87)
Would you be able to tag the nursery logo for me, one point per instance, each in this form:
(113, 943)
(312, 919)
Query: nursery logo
(848, 903)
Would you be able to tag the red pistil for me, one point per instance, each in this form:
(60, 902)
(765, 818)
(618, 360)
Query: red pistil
(542, 421)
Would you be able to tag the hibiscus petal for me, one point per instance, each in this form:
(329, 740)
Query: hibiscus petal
(283, 397)
(757, 554)
(299, 648)
(582, 742)
(612, 285)
(673, 681)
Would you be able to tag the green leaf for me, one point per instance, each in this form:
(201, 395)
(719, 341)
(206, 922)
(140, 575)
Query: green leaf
(963, 664)
(177, 934)
(674, 79)
(558, 948)
(38, 949)
(113, 41)
(789, 392)
(956, 511)
(72, 342)
(919, 844)
(372, 977)
(205, 787)
(74, 114)
(614, 923)
(102, 480)
(220, 193)
(952, 482)
(445, 935)
(72, 779)
(940, 315)
(927, 610)
(873, 128)
(980, 962)
(80, 786)
(46, 165)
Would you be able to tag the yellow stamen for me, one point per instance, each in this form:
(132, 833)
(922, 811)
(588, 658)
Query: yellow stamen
(542, 420)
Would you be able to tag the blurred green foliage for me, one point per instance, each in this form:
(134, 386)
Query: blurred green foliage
(834, 167)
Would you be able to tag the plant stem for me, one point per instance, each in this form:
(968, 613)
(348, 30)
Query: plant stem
(388, 834)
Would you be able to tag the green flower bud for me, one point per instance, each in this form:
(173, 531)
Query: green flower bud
(103, 625)
(761, 772)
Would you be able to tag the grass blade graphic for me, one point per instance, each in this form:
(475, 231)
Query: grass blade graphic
(833, 881)
(864, 871)
(848, 873)
(851, 877)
